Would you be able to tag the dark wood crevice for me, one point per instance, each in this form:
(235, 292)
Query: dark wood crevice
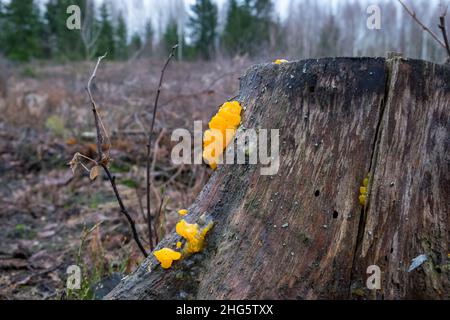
(391, 74)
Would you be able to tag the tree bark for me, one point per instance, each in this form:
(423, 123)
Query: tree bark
(302, 234)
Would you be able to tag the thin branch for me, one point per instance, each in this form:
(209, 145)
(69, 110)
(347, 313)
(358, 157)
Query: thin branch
(149, 146)
(94, 108)
(124, 210)
(444, 31)
(424, 27)
(103, 160)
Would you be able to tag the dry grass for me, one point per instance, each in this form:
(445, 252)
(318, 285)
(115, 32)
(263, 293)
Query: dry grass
(46, 118)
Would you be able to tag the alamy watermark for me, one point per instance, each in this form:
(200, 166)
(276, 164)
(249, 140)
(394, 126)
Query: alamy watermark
(73, 22)
(251, 147)
(74, 278)
(374, 280)
(374, 19)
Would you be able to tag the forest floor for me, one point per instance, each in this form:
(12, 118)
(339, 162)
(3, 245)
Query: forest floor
(51, 218)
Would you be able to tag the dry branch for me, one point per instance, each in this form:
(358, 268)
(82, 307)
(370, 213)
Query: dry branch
(412, 13)
(103, 159)
(444, 31)
(149, 147)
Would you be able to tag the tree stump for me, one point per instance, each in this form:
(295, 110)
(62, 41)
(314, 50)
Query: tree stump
(302, 234)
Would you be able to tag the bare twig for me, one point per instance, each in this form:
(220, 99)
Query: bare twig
(424, 27)
(94, 109)
(149, 146)
(444, 31)
(124, 210)
(104, 159)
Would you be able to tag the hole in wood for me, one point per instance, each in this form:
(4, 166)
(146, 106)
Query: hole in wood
(335, 214)
(317, 193)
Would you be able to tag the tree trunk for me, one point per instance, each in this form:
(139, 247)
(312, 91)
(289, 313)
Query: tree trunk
(302, 234)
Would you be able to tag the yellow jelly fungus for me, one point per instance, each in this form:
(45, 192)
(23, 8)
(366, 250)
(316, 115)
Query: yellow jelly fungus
(187, 230)
(280, 61)
(222, 129)
(182, 212)
(166, 257)
(211, 160)
(179, 244)
(232, 119)
(363, 192)
(366, 182)
(213, 165)
(213, 138)
(208, 137)
(219, 123)
(362, 200)
(195, 237)
(233, 107)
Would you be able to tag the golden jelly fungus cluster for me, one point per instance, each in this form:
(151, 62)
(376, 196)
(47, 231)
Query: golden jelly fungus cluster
(194, 236)
(363, 191)
(166, 257)
(222, 129)
(280, 61)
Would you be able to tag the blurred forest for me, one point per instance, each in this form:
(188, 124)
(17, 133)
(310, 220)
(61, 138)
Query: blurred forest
(37, 30)
(51, 219)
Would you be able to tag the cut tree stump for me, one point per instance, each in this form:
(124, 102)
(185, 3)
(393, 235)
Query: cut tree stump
(302, 234)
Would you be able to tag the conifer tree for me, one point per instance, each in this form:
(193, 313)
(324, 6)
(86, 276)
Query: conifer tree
(247, 26)
(170, 37)
(235, 35)
(64, 43)
(203, 23)
(136, 43)
(106, 41)
(121, 39)
(2, 27)
(22, 30)
(261, 20)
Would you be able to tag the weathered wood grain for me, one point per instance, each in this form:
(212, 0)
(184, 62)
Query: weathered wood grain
(408, 214)
(302, 233)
